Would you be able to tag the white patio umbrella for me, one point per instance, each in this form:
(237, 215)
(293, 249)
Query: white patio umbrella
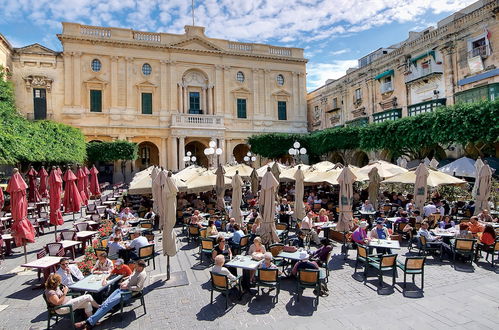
(299, 206)
(464, 167)
(254, 182)
(220, 187)
(434, 163)
(237, 196)
(373, 188)
(346, 180)
(484, 186)
(269, 186)
(141, 183)
(385, 169)
(243, 170)
(435, 179)
(154, 174)
(478, 166)
(262, 170)
(157, 197)
(169, 196)
(421, 186)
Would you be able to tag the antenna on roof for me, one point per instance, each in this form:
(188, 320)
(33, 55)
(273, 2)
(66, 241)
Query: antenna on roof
(192, 9)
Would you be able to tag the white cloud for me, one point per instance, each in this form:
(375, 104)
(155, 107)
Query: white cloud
(257, 20)
(318, 73)
(339, 52)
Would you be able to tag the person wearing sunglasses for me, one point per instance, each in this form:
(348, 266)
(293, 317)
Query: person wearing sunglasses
(70, 273)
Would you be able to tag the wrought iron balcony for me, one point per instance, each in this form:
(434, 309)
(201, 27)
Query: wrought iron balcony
(422, 71)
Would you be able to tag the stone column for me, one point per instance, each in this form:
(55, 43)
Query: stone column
(448, 77)
(181, 152)
(163, 151)
(129, 83)
(205, 103)
(76, 79)
(217, 93)
(226, 106)
(302, 94)
(266, 95)
(114, 81)
(68, 81)
(180, 105)
(256, 98)
(209, 98)
(295, 112)
(223, 156)
(186, 100)
(163, 85)
(173, 163)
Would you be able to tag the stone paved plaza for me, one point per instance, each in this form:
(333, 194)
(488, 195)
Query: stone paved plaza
(462, 298)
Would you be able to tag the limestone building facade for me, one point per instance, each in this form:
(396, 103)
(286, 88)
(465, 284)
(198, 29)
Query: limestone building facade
(170, 93)
(454, 62)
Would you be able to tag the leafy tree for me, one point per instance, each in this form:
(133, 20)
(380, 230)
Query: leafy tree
(118, 150)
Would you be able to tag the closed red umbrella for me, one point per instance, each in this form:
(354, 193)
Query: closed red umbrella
(55, 185)
(42, 189)
(80, 184)
(33, 195)
(72, 199)
(94, 181)
(22, 229)
(87, 181)
(2, 199)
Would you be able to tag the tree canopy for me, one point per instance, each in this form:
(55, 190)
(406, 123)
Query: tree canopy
(23, 141)
(111, 151)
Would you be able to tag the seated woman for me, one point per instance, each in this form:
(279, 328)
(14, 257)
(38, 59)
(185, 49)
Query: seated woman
(359, 235)
(196, 219)
(257, 252)
(464, 231)
(267, 262)
(446, 223)
(211, 229)
(222, 249)
(323, 217)
(320, 255)
(57, 296)
(256, 226)
(487, 240)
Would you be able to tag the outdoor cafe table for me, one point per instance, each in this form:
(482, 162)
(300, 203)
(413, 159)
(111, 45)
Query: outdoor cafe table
(45, 264)
(225, 235)
(85, 236)
(384, 243)
(93, 283)
(246, 263)
(295, 256)
(443, 232)
(70, 245)
(7, 238)
(326, 226)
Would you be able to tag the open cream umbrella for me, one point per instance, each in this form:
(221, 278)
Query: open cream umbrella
(385, 169)
(288, 174)
(262, 170)
(141, 183)
(169, 197)
(202, 182)
(254, 182)
(237, 196)
(319, 177)
(269, 186)
(299, 206)
(421, 186)
(373, 188)
(484, 186)
(220, 187)
(435, 178)
(243, 170)
(346, 180)
(478, 166)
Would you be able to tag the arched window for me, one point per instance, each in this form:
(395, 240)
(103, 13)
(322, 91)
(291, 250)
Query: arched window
(96, 65)
(146, 69)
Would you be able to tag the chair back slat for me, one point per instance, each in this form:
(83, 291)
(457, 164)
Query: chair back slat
(146, 251)
(202, 232)
(81, 226)
(40, 254)
(193, 230)
(275, 249)
(68, 235)
(281, 226)
(53, 248)
(268, 275)
(146, 224)
(207, 244)
(464, 244)
(414, 263)
(308, 276)
(219, 281)
(362, 251)
(388, 260)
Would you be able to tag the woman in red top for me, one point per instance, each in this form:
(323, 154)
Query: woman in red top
(487, 240)
(121, 269)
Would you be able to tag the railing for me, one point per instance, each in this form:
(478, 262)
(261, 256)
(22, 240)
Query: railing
(280, 51)
(240, 47)
(482, 51)
(423, 70)
(146, 36)
(201, 121)
(95, 32)
(386, 87)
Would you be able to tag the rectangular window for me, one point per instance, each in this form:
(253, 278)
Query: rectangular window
(478, 47)
(95, 100)
(387, 85)
(194, 103)
(335, 103)
(423, 107)
(147, 103)
(393, 114)
(281, 110)
(241, 108)
(358, 94)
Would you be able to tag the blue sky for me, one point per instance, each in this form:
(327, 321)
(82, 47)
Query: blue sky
(334, 33)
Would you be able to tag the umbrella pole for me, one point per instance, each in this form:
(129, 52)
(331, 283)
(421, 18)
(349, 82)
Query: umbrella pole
(25, 253)
(73, 217)
(55, 233)
(167, 268)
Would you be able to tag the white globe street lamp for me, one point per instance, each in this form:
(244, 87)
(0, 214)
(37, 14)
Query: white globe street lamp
(296, 152)
(212, 151)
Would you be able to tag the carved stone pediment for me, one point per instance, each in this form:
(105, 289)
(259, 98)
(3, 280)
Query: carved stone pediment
(281, 92)
(196, 43)
(35, 81)
(36, 49)
(194, 78)
(241, 90)
(359, 112)
(389, 104)
(334, 119)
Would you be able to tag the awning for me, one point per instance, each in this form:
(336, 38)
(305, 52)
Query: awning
(417, 58)
(384, 74)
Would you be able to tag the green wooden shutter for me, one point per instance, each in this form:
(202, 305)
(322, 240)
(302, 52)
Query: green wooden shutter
(95, 100)
(147, 103)
(281, 110)
(241, 108)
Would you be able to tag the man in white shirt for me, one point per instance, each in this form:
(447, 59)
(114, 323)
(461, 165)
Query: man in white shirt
(132, 250)
(367, 207)
(70, 274)
(307, 227)
(429, 208)
(219, 268)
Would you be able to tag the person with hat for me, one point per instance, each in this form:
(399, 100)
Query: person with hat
(359, 235)
(121, 269)
(134, 283)
(321, 254)
(304, 263)
(380, 232)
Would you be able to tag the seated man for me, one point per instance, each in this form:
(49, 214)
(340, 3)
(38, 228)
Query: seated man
(238, 233)
(307, 227)
(103, 264)
(299, 241)
(219, 268)
(304, 263)
(432, 240)
(150, 214)
(474, 226)
(367, 207)
(115, 247)
(126, 214)
(134, 283)
(485, 216)
(121, 269)
(70, 273)
(132, 250)
(230, 226)
(380, 232)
